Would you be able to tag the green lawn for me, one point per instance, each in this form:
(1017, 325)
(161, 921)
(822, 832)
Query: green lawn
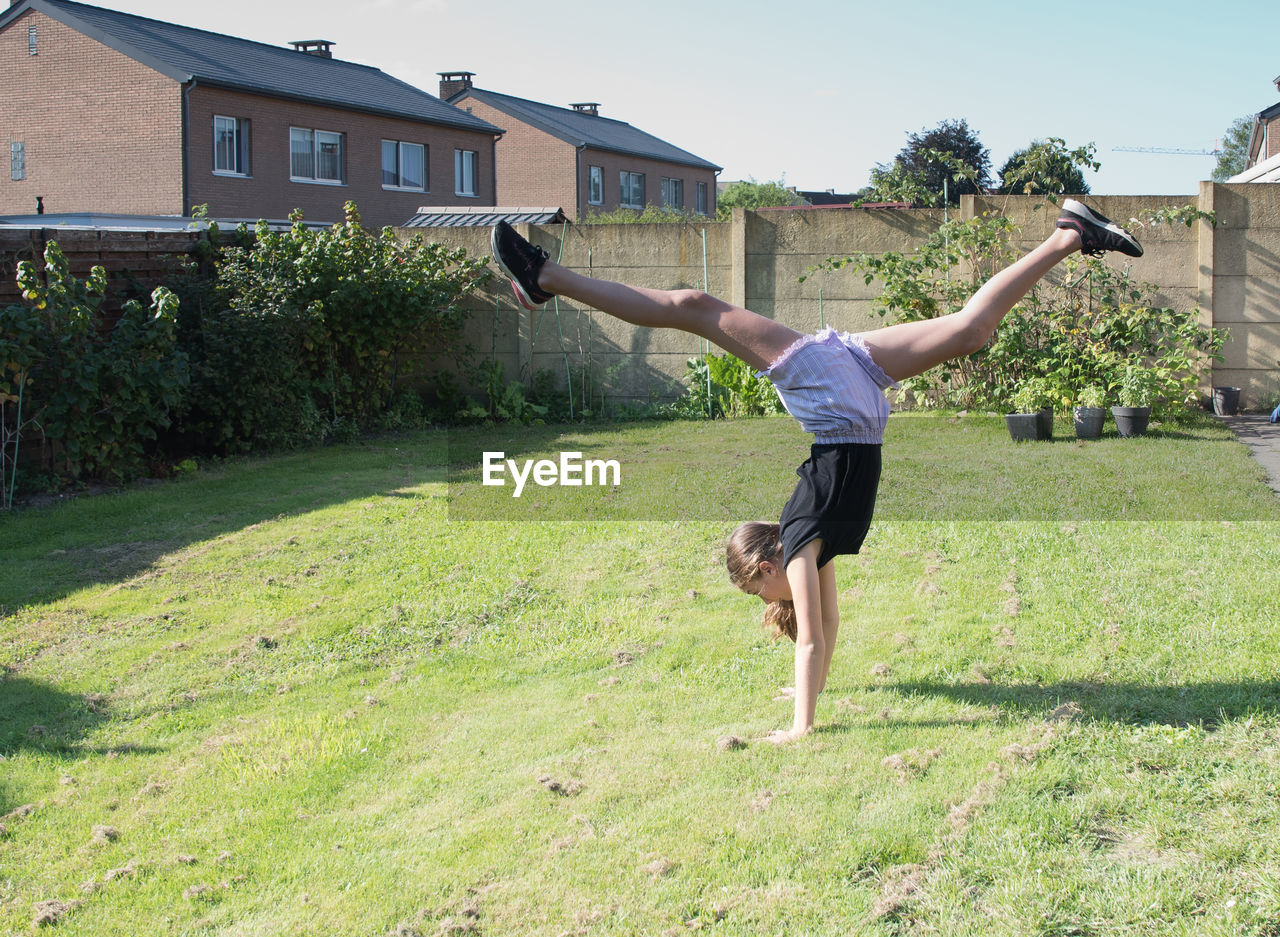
(328, 693)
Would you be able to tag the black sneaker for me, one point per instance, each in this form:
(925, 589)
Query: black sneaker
(1097, 233)
(520, 261)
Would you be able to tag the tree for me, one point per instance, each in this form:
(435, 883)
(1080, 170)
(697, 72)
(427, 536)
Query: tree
(752, 194)
(1234, 152)
(949, 151)
(1047, 167)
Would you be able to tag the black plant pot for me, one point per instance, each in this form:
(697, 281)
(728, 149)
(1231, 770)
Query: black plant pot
(1027, 427)
(1226, 401)
(1088, 421)
(1045, 417)
(1131, 421)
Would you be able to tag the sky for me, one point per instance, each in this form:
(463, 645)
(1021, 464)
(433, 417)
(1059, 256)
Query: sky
(815, 95)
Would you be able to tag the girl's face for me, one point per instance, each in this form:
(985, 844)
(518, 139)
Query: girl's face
(771, 584)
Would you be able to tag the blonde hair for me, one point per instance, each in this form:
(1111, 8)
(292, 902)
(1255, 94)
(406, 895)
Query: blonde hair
(750, 545)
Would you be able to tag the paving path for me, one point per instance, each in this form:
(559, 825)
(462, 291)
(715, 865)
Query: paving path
(1263, 440)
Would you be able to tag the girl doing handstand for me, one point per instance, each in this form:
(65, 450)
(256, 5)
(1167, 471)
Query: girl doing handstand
(833, 383)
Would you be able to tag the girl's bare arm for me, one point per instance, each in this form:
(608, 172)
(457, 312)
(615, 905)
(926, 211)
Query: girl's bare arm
(811, 651)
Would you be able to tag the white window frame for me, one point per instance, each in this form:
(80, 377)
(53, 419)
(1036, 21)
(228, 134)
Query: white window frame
(466, 173)
(318, 139)
(629, 182)
(17, 161)
(399, 148)
(595, 185)
(240, 146)
(701, 203)
(32, 48)
(673, 193)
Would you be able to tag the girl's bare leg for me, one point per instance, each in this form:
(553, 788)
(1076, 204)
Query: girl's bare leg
(911, 348)
(753, 338)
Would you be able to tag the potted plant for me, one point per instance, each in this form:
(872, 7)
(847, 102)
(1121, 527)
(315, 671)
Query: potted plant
(1134, 393)
(1226, 401)
(1033, 416)
(1088, 413)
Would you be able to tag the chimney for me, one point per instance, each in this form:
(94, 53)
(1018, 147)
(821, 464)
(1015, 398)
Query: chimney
(587, 107)
(317, 47)
(453, 83)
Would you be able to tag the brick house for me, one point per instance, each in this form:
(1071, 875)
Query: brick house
(107, 112)
(1263, 162)
(576, 159)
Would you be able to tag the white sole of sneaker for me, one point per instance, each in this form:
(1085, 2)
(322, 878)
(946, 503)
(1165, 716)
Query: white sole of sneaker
(1084, 211)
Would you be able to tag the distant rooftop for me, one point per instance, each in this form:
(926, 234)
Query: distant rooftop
(102, 221)
(582, 125)
(305, 73)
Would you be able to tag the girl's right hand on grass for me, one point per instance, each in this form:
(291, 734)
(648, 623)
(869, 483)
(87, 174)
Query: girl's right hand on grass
(785, 693)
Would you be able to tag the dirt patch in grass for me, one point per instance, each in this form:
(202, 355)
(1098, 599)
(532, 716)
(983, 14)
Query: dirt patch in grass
(51, 912)
(912, 763)
(762, 801)
(569, 788)
(903, 883)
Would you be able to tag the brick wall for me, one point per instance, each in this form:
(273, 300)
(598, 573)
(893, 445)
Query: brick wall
(654, 171)
(534, 168)
(268, 191)
(101, 132)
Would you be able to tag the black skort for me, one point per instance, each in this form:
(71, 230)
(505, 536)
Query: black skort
(834, 500)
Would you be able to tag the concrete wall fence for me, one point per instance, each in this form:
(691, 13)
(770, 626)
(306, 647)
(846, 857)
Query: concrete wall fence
(1230, 271)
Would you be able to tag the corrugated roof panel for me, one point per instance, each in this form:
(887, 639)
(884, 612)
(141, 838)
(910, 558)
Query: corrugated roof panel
(485, 217)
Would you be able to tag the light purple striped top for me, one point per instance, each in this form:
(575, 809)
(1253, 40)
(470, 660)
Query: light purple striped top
(830, 384)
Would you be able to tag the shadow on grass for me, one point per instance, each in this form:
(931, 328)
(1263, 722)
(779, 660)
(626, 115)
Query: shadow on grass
(38, 717)
(49, 552)
(1206, 704)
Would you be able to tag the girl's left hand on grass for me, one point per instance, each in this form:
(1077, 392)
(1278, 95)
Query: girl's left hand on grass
(785, 692)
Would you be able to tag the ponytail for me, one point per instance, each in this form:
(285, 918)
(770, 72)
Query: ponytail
(749, 546)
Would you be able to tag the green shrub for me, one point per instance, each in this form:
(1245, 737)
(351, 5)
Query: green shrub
(724, 385)
(304, 335)
(1080, 329)
(90, 393)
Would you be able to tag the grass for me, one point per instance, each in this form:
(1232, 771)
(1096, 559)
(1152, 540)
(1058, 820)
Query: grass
(303, 695)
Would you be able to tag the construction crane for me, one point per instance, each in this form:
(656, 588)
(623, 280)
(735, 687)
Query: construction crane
(1178, 151)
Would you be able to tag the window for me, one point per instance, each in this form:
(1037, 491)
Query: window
(315, 156)
(672, 193)
(17, 161)
(632, 189)
(464, 172)
(404, 165)
(702, 198)
(31, 40)
(231, 146)
(595, 186)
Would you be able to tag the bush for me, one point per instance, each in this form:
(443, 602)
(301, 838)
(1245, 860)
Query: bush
(305, 332)
(1079, 331)
(724, 385)
(90, 393)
